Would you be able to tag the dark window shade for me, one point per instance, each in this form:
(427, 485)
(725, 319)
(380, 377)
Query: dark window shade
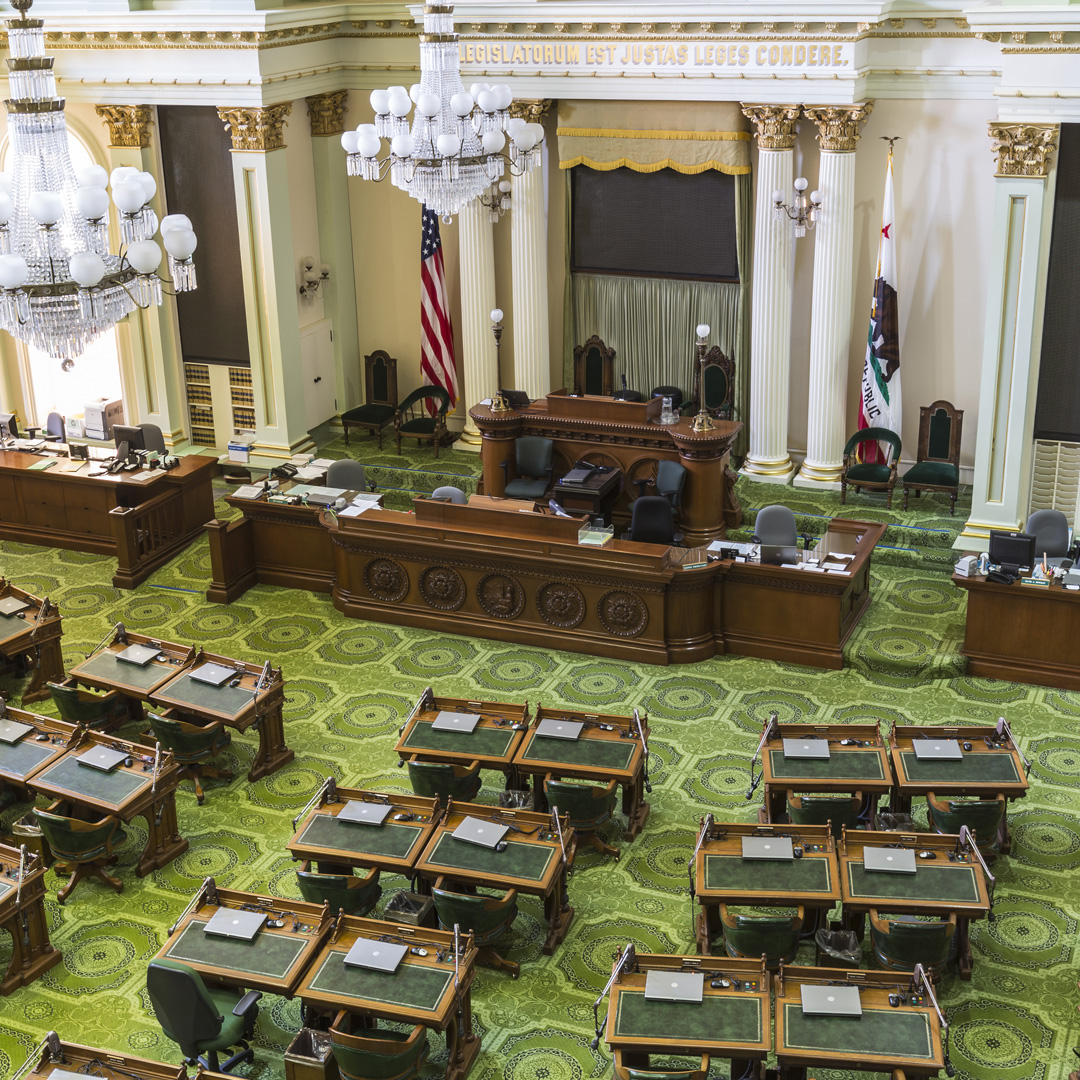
(660, 224)
(1057, 407)
(197, 170)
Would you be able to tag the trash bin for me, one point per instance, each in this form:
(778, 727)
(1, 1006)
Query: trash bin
(837, 949)
(513, 799)
(410, 908)
(309, 1057)
(887, 821)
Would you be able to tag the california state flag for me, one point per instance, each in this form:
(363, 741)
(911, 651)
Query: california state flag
(880, 405)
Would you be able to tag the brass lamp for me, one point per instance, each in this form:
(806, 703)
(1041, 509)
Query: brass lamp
(703, 421)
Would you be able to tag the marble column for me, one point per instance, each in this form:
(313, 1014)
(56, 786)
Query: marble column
(528, 236)
(479, 361)
(261, 181)
(767, 459)
(831, 314)
(149, 341)
(1023, 210)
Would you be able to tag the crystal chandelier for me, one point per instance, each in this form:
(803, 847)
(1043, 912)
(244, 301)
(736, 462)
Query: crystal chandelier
(454, 150)
(60, 287)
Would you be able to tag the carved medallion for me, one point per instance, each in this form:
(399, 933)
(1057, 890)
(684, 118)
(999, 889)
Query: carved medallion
(442, 588)
(386, 579)
(500, 596)
(560, 604)
(622, 613)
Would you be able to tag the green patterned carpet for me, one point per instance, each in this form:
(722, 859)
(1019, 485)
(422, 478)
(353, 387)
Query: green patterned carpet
(350, 685)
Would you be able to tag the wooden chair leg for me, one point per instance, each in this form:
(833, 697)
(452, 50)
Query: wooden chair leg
(594, 840)
(888, 499)
(843, 492)
(88, 870)
(346, 434)
(905, 498)
(380, 438)
(487, 955)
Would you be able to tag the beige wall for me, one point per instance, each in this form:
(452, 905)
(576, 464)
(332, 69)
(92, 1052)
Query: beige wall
(303, 210)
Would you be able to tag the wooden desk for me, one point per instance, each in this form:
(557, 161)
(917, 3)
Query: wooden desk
(129, 791)
(494, 742)
(22, 915)
(940, 886)
(597, 496)
(533, 862)
(624, 435)
(728, 1022)
(723, 876)
(1022, 633)
(337, 846)
(32, 637)
(598, 755)
(884, 1038)
(858, 761)
(421, 991)
(53, 1054)
(20, 762)
(252, 701)
(144, 523)
(273, 962)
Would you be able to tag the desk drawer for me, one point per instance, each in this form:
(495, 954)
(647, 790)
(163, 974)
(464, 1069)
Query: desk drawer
(89, 522)
(88, 497)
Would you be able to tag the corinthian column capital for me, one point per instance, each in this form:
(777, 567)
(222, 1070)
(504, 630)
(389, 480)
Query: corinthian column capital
(129, 125)
(774, 124)
(838, 125)
(261, 128)
(1023, 149)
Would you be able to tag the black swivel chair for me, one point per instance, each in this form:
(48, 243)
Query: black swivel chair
(1051, 531)
(652, 521)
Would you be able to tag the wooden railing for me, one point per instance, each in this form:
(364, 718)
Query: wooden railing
(147, 536)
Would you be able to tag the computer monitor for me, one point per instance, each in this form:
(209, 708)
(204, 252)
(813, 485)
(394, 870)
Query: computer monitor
(9, 426)
(133, 436)
(1012, 551)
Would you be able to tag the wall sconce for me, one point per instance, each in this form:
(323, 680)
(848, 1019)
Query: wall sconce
(804, 212)
(496, 199)
(312, 280)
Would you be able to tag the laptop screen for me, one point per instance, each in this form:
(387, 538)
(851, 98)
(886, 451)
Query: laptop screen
(214, 674)
(233, 923)
(937, 749)
(138, 654)
(376, 955)
(806, 748)
(11, 604)
(767, 847)
(483, 833)
(830, 1000)
(551, 728)
(364, 813)
(686, 986)
(102, 757)
(11, 731)
(889, 860)
(455, 721)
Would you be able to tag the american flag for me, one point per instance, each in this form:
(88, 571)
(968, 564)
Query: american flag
(436, 331)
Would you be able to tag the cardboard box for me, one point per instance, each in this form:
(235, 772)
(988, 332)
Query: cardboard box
(240, 448)
(74, 426)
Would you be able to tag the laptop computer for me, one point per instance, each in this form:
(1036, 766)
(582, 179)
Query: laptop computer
(777, 848)
(138, 654)
(890, 860)
(674, 986)
(817, 749)
(102, 757)
(937, 749)
(376, 955)
(12, 605)
(551, 728)
(233, 923)
(11, 731)
(516, 399)
(830, 1000)
(364, 813)
(214, 674)
(482, 833)
(779, 554)
(455, 721)
(67, 1074)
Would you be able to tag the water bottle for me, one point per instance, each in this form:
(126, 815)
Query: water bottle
(984, 564)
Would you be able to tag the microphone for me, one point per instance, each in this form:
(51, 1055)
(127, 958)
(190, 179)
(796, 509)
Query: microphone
(623, 376)
(557, 510)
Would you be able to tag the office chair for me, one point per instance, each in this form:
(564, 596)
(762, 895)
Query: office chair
(446, 493)
(53, 431)
(775, 526)
(348, 475)
(622, 1071)
(377, 1053)
(153, 440)
(839, 810)
(984, 817)
(532, 456)
(437, 780)
(488, 918)
(672, 392)
(652, 521)
(774, 936)
(1051, 531)
(101, 712)
(203, 1021)
(86, 845)
(588, 807)
(902, 941)
(343, 892)
(192, 746)
(669, 482)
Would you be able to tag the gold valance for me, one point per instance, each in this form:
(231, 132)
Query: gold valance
(645, 136)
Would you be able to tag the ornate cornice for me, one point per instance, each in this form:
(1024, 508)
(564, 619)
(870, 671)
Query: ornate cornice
(838, 125)
(532, 111)
(258, 129)
(1023, 149)
(129, 125)
(775, 125)
(327, 112)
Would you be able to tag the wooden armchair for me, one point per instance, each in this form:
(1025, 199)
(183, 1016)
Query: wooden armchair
(937, 467)
(380, 396)
(594, 368)
(719, 375)
(413, 420)
(870, 475)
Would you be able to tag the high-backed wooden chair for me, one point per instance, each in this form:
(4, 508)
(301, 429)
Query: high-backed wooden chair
(594, 368)
(380, 396)
(868, 474)
(719, 375)
(937, 467)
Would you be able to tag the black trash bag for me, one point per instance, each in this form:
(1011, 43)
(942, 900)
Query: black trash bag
(890, 822)
(839, 945)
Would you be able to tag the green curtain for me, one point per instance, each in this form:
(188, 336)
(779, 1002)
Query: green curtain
(650, 322)
(744, 211)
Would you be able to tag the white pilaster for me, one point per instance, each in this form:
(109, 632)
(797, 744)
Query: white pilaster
(480, 369)
(528, 235)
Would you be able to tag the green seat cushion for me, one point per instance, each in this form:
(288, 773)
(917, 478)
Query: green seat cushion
(933, 472)
(232, 1027)
(526, 489)
(422, 425)
(868, 474)
(369, 414)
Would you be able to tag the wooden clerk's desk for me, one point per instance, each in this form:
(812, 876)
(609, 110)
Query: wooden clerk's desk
(625, 435)
(22, 915)
(53, 1054)
(32, 636)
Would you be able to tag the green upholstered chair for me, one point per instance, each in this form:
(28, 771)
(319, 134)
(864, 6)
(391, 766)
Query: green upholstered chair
(203, 1021)
(413, 421)
(872, 476)
(594, 368)
(774, 936)
(937, 466)
(718, 372)
(840, 810)
(902, 941)
(380, 396)
(102, 712)
(192, 746)
(587, 806)
(343, 892)
(488, 918)
(637, 1072)
(85, 846)
(438, 780)
(532, 460)
(377, 1053)
(984, 817)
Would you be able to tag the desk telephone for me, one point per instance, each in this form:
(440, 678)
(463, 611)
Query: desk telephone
(284, 472)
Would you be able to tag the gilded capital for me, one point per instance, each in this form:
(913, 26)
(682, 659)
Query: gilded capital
(775, 125)
(129, 125)
(327, 112)
(532, 112)
(838, 125)
(1023, 149)
(261, 128)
